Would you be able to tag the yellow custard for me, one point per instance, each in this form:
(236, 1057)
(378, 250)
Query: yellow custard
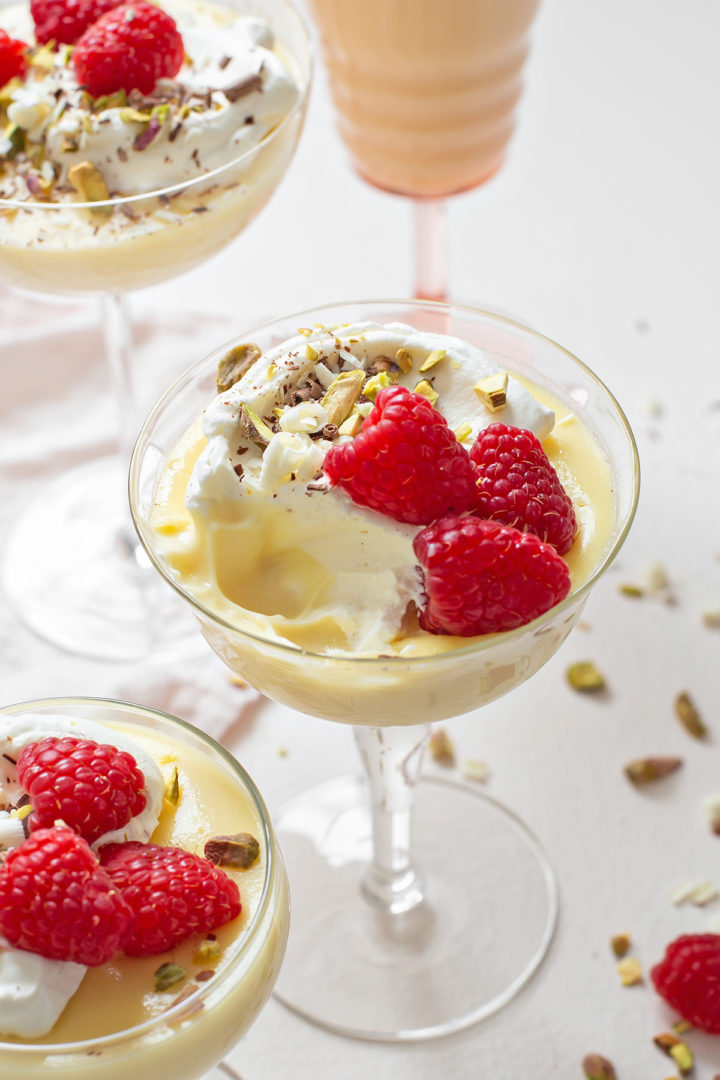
(120, 996)
(263, 558)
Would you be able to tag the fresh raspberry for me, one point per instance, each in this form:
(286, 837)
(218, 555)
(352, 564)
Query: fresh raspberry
(93, 788)
(65, 21)
(129, 48)
(56, 900)
(405, 462)
(482, 577)
(518, 486)
(688, 978)
(12, 58)
(172, 894)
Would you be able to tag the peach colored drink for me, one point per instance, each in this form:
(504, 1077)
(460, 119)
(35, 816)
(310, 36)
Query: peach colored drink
(425, 91)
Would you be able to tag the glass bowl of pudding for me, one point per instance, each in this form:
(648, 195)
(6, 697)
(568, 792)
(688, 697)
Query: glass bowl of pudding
(313, 600)
(103, 195)
(118, 1020)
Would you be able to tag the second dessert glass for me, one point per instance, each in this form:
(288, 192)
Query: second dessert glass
(89, 590)
(195, 1031)
(423, 908)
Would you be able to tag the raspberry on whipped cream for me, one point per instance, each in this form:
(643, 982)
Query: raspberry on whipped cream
(231, 91)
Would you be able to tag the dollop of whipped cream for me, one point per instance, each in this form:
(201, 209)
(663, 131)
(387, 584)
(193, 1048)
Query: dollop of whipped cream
(232, 91)
(33, 989)
(279, 541)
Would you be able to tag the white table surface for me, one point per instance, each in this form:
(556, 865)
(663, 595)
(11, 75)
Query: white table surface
(603, 232)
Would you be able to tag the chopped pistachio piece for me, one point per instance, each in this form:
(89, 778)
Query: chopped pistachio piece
(305, 331)
(405, 360)
(597, 1067)
(234, 364)
(463, 432)
(364, 408)
(15, 137)
(620, 945)
(172, 787)
(432, 359)
(627, 589)
(630, 971)
(7, 91)
(110, 101)
(310, 353)
(21, 812)
(648, 770)
(207, 952)
(441, 747)
(678, 1050)
(711, 619)
(168, 975)
(341, 395)
(681, 1026)
(236, 680)
(475, 769)
(135, 116)
(252, 427)
(352, 425)
(427, 390)
(492, 391)
(585, 677)
(42, 57)
(374, 385)
(689, 717)
(238, 851)
(88, 181)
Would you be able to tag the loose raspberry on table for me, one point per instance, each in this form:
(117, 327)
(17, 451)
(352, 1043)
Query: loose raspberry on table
(405, 462)
(13, 63)
(92, 788)
(172, 894)
(128, 48)
(518, 486)
(56, 900)
(65, 21)
(688, 978)
(481, 577)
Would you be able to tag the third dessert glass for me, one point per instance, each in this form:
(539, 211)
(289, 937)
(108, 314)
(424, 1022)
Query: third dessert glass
(425, 95)
(117, 1024)
(184, 170)
(430, 911)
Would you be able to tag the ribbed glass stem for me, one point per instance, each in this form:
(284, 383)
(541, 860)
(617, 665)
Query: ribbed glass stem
(430, 231)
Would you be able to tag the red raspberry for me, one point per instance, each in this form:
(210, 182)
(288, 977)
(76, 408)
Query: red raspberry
(518, 486)
(688, 978)
(12, 58)
(172, 894)
(482, 577)
(129, 48)
(93, 788)
(405, 462)
(56, 900)
(64, 21)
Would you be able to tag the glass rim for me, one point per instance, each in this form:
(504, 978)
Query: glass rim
(169, 1016)
(185, 185)
(477, 646)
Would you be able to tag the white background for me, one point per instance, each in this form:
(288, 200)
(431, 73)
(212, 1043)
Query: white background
(603, 232)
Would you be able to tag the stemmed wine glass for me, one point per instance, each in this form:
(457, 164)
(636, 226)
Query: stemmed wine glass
(425, 95)
(71, 566)
(419, 909)
(186, 1040)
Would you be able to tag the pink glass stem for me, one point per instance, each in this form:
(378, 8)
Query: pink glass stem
(430, 229)
(117, 337)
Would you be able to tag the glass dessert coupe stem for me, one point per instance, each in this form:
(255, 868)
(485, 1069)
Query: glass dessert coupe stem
(425, 97)
(90, 591)
(189, 1038)
(419, 907)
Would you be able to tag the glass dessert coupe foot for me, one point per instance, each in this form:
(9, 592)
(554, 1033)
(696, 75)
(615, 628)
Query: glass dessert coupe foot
(88, 588)
(188, 1038)
(419, 908)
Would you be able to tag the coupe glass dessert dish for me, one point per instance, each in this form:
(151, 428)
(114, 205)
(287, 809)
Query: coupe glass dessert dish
(123, 166)
(176, 941)
(426, 97)
(392, 513)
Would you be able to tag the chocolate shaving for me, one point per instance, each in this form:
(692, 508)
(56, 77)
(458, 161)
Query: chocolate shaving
(122, 153)
(243, 87)
(222, 64)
